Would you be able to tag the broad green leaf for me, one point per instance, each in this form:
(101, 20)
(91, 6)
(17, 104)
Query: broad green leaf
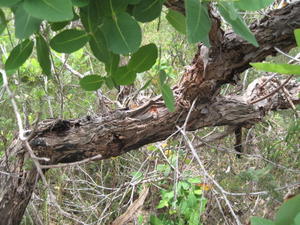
(18, 56)
(133, 2)
(177, 20)
(168, 97)
(277, 68)
(123, 76)
(51, 10)
(109, 82)
(162, 77)
(25, 24)
(58, 25)
(261, 221)
(2, 21)
(122, 33)
(288, 211)
(99, 48)
(91, 16)
(80, 3)
(112, 7)
(252, 5)
(296, 219)
(144, 58)
(43, 56)
(197, 21)
(147, 10)
(229, 13)
(8, 3)
(155, 221)
(69, 41)
(297, 36)
(112, 64)
(91, 82)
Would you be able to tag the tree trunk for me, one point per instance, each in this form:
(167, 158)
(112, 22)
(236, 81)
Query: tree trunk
(108, 135)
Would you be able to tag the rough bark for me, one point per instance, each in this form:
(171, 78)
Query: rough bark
(65, 141)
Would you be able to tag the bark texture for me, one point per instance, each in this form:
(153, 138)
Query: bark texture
(113, 134)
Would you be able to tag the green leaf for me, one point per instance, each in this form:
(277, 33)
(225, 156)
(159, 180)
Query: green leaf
(69, 41)
(229, 13)
(51, 10)
(177, 20)
(80, 3)
(296, 220)
(162, 77)
(147, 10)
(122, 33)
(8, 3)
(91, 82)
(99, 48)
(91, 16)
(297, 36)
(155, 221)
(112, 64)
(260, 221)
(25, 24)
(58, 25)
(194, 180)
(144, 58)
(277, 68)
(252, 5)
(288, 211)
(197, 21)
(133, 2)
(123, 76)
(43, 52)
(18, 56)
(111, 7)
(2, 21)
(168, 97)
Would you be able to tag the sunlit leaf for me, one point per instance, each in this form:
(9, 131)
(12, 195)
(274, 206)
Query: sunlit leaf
(168, 97)
(162, 77)
(277, 68)
(43, 56)
(25, 24)
(288, 211)
(297, 36)
(260, 221)
(252, 5)
(51, 10)
(297, 219)
(123, 76)
(69, 41)
(144, 58)
(197, 21)
(147, 10)
(122, 33)
(18, 56)
(229, 13)
(177, 20)
(91, 82)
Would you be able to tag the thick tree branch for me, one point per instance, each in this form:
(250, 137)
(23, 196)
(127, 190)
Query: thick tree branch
(104, 136)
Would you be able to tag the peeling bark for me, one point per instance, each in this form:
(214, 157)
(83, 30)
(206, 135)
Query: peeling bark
(108, 135)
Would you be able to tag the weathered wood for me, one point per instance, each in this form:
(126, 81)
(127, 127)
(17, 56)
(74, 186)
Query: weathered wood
(65, 141)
